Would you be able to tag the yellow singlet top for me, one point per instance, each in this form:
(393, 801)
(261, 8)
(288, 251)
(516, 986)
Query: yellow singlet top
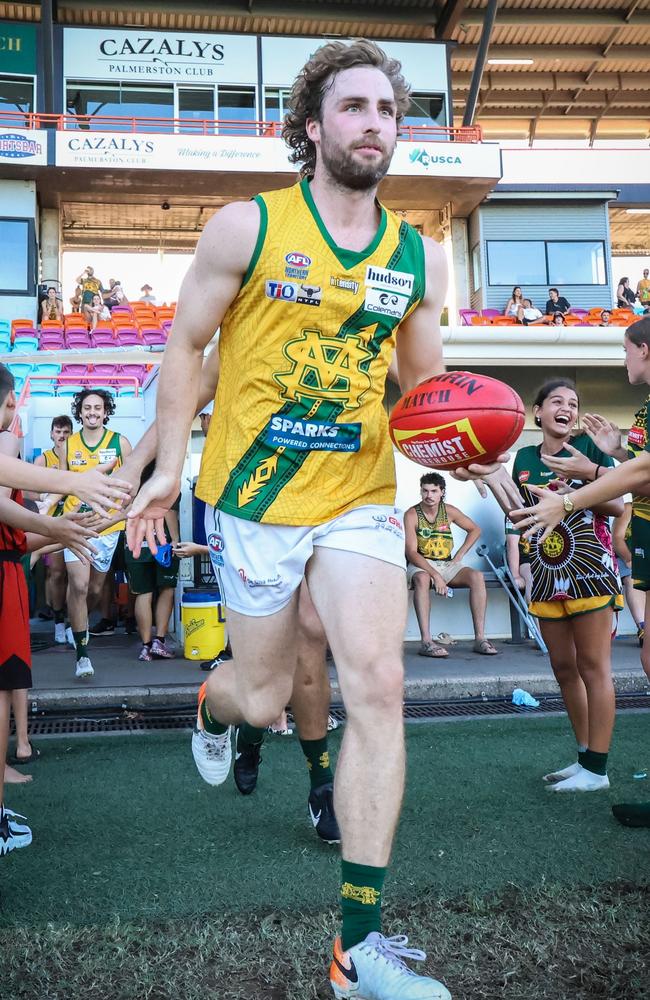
(300, 433)
(52, 462)
(82, 456)
(435, 538)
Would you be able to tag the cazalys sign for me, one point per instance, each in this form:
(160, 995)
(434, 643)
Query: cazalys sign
(111, 54)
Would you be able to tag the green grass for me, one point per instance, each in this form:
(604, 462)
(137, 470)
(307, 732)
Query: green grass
(143, 882)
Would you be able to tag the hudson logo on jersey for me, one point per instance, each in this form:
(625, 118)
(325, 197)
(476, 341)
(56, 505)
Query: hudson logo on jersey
(297, 265)
(388, 292)
(290, 291)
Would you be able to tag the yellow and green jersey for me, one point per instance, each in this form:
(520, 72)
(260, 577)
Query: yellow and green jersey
(81, 457)
(435, 538)
(52, 462)
(300, 433)
(637, 441)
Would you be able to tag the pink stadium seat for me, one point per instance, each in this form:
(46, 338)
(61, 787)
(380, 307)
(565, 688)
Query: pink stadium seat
(75, 370)
(466, 316)
(127, 337)
(153, 334)
(103, 338)
(135, 371)
(52, 341)
(491, 312)
(77, 338)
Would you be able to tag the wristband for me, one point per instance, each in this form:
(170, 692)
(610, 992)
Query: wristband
(598, 468)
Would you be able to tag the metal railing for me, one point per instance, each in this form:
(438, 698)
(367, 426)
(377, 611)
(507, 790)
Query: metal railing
(206, 126)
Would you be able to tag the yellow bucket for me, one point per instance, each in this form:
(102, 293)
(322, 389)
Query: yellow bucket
(204, 625)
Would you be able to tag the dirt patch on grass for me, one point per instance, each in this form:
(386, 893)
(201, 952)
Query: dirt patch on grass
(557, 943)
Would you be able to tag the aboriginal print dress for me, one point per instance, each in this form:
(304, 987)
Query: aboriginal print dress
(577, 561)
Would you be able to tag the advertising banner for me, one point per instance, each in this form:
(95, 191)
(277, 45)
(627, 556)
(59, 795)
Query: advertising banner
(256, 154)
(17, 48)
(27, 146)
(158, 56)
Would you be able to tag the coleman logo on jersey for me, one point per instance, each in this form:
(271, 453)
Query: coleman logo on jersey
(387, 292)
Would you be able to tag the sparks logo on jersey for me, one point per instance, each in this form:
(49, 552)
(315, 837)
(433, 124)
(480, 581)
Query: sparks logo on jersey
(637, 437)
(297, 265)
(346, 284)
(387, 292)
(325, 368)
(289, 291)
(312, 435)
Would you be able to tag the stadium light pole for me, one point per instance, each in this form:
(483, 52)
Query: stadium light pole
(481, 57)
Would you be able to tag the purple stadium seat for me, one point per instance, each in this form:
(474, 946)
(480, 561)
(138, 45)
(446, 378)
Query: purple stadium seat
(103, 338)
(127, 337)
(77, 338)
(491, 312)
(74, 370)
(135, 371)
(52, 341)
(154, 334)
(466, 316)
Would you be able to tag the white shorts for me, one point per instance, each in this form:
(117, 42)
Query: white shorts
(260, 566)
(442, 566)
(104, 546)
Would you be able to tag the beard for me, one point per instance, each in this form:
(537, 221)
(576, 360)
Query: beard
(349, 172)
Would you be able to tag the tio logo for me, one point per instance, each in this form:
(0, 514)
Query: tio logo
(281, 290)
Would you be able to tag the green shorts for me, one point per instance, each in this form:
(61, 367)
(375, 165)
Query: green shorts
(640, 546)
(146, 575)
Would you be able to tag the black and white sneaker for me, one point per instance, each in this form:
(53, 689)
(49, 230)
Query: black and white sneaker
(247, 766)
(103, 627)
(321, 812)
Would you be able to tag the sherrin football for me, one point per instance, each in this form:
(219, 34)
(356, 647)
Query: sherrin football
(453, 420)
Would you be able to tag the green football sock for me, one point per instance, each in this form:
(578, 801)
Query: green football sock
(361, 887)
(249, 736)
(318, 761)
(80, 643)
(594, 762)
(210, 725)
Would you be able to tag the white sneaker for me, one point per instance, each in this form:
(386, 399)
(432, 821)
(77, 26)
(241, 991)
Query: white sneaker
(12, 834)
(582, 781)
(84, 668)
(69, 638)
(375, 970)
(60, 636)
(212, 755)
(556, 776)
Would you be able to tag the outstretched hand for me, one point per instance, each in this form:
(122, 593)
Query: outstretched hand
(543, 517)
(100, 491)
(494, 476)
(605, 434)
(146, 518)
(72, 531)
(578, 466)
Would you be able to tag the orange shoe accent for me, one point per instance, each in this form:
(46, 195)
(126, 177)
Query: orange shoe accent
(340, 968)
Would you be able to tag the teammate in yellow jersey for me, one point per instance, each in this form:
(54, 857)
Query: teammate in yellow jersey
(313, 288)
(55, 574)
(94, 445)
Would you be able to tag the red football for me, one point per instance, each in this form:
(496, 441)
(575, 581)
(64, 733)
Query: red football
(455, 419)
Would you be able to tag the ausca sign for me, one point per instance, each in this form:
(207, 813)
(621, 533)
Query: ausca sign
(427, 159)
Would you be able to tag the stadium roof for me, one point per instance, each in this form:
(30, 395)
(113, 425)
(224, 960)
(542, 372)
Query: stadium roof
(587, 61)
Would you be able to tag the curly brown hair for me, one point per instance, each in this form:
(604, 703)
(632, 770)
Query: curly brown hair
(315, 79)
(106, 397)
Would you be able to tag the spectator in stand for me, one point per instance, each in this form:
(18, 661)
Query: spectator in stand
(90, 285)
(605, 318)
(528, 314)
(98, 310)
(515, 302)
(643, 290)
(75, 301)
(115, 295)
(556, 303)
(558, 319)
(625, 297)
(147, 297)
(51, 307)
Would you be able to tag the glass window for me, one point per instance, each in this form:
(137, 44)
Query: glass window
(16, 95)
(236, 104)
(195, 106)
(426, 110)
(579, 263)
(88, 100)
(516, 262)
(275, 105)
(17, 259)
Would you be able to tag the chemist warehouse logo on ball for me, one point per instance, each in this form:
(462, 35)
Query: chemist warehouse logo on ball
(447, 444)
(16, 147)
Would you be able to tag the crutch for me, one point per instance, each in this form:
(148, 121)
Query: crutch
(514, 595)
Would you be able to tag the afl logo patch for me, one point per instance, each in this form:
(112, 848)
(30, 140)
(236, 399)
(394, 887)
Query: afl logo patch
(216, 545)
(294, 259)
